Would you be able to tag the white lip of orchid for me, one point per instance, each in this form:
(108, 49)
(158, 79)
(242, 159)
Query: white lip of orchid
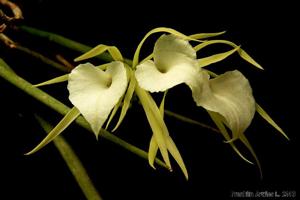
(95, 92)
(105, 78)
(230, 95)
(174, 63)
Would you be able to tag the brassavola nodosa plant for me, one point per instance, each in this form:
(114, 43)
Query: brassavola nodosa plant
(97, 92)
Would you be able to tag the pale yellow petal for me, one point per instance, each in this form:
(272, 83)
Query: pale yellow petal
(95, 92)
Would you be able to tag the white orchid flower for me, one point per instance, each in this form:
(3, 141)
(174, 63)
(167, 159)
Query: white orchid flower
(229, 95)
(96, 92)
(175, 62)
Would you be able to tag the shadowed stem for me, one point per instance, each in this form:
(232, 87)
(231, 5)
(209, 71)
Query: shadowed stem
(190, 121)
(73, 162)
(51, 102)
(63, 41)
(41, 58)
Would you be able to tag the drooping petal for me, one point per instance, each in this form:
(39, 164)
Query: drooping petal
(160, 132)
(153, 147)
(58, 129)
(230, 95)
(95, 92)
(58, 79)
(174, 63)
(267, 117)
(243, 54)
(127, 97)
(218, 120)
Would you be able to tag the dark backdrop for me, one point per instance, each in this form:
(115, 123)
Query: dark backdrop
(267, 32)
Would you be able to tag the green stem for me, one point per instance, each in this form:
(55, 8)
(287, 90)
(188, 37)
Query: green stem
(73, 162)
(190, 121)
(58, 39)
(71, 44)
(42, 58)
(59, 107)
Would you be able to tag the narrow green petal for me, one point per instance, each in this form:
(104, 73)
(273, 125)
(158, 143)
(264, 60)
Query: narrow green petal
(113, 113)
(127, 98)
(162, 104)
(159, 136)
(54, 80)
(216, 57)
(60, 127)
(156, 122)
(65, 77)
(267, 117)
(249, 147)
(148, 58)
(113, 51)
(169, 142)
(153, 147)
(92, 53)
(212, 74)
(200, 36)
(217, 119)
(156, 30)
(243, 54)
(176, 155)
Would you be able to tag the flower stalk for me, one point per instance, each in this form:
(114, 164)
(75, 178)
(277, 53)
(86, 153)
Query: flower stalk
(73, 162)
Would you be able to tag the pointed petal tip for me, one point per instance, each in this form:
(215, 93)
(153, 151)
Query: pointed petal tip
(230, 140)
(97, 135)
(187, 177)
(259, 67)
(152, 165)
(285, 135)
(116, 127)
(77, 59)
(34, 150)
(28, 153)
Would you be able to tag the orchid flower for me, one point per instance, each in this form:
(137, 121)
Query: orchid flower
(175, 62)
(94, 92)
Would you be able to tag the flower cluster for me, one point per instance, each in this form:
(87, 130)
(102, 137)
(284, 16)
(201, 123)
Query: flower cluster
(98, 92)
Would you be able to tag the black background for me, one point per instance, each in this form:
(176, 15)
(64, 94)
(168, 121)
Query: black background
(267, 32)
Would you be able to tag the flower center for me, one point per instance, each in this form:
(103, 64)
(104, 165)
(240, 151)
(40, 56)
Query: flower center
(105, 79)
